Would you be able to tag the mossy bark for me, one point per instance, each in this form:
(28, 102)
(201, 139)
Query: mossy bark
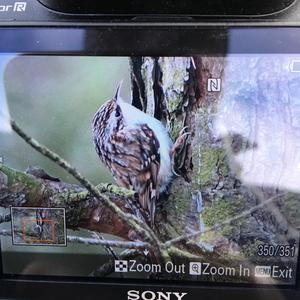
(82, 210)
(174, 91)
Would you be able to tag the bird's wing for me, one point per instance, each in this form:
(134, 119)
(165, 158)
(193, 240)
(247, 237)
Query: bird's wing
(135, 162)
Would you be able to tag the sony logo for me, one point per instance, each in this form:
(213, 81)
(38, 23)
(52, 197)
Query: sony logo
(16, 7)
(150, 295)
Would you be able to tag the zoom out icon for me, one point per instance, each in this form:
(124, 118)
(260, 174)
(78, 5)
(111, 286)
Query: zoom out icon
(214, 85)
(121, 266)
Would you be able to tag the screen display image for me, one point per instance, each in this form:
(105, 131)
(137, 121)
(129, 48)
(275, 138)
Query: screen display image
(158, 168)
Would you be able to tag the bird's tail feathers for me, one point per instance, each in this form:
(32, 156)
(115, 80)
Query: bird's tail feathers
(148, 200)
(143, 199)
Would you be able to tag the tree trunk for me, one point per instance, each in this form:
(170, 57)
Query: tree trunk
(174, 90)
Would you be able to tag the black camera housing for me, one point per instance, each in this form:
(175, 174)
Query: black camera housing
(189, 8)
(237, 27)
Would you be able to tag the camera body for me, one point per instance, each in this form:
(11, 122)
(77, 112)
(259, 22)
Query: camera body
(214, 38)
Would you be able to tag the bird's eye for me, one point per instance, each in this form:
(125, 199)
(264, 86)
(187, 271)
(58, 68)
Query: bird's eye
(117, 114)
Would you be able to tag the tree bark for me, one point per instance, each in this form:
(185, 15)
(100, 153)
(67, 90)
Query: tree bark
(173, 90)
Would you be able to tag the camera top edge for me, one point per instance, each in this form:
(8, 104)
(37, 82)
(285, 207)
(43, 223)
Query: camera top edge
(175, 7)
(168, 12)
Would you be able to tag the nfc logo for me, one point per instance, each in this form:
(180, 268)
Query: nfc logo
(214, 85)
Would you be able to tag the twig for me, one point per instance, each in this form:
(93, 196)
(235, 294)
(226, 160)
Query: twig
(108, 268)
(130, 219)
(174, 251)
(108, 248)
(108, 243)
(222, 224)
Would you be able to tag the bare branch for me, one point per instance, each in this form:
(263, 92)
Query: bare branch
(96, 242)
(141, 228)
(107, 248)
(108, 243)
(173, 251)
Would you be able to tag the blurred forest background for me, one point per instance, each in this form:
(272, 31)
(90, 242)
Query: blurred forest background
(55, 98)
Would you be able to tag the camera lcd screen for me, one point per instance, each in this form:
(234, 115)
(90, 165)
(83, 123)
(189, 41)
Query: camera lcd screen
(195, 159)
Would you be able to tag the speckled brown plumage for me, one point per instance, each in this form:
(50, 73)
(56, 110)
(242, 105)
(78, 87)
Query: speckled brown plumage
(130, 151)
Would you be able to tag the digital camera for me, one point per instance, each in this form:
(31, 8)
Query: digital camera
(149, 150)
